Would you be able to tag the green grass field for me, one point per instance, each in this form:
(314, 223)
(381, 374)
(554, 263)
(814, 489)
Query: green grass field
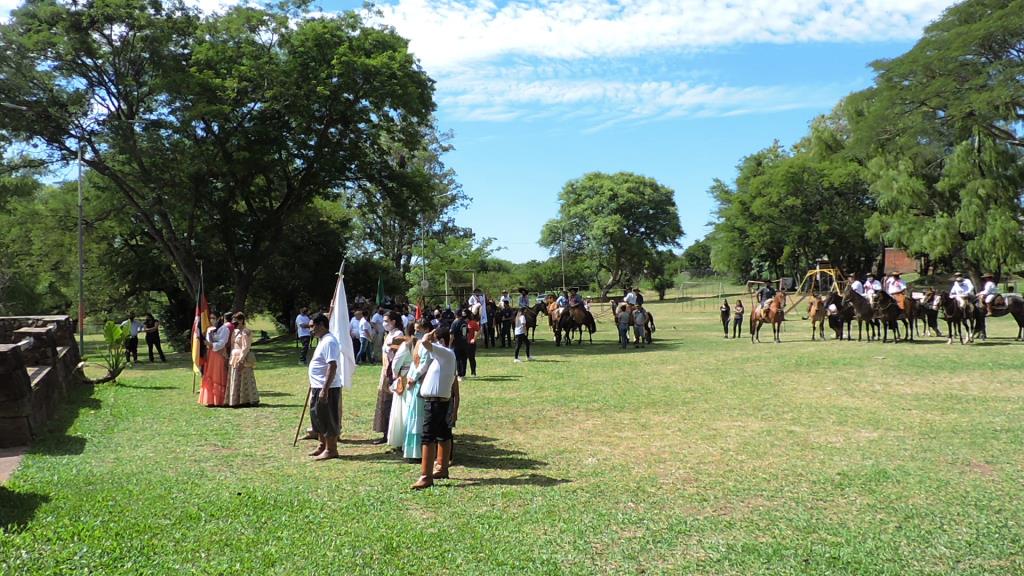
(694, 456)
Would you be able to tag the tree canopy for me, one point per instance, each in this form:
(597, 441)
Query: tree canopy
(617, 222)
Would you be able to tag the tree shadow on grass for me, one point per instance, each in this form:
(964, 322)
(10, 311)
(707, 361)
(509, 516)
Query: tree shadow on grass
(147, 387)
(492, 379)
(17, 509)
(54, 441)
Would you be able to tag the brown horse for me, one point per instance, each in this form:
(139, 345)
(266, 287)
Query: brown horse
(817, 312)
(775, 315)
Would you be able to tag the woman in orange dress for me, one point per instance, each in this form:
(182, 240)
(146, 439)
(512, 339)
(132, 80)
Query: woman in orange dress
(215, 376)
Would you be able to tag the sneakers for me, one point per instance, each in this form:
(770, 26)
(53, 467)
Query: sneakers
(517, 361)
(530, 358)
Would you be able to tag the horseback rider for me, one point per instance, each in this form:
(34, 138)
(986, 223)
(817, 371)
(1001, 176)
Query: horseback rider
(629, 297)
(897, 288)
(562, 302)
(962, 289)
(765, 294)
(855, 285)
(871, 287)
(504, 298)
(524, 298)
(988, 293)
(574, 298)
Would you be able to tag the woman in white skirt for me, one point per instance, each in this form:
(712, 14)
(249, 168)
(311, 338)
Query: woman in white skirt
(400, 364)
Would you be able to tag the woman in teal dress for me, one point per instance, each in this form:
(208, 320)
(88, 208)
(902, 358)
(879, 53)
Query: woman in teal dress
(420, 360)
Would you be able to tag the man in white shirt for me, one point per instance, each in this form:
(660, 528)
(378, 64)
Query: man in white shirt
(988, 292)
(303, 333)
(436, 391)
(962, 289)
(377, 322)
(896, 285)
(629, 298)
(871, 287)
(353, 328)
(504, 298)
(365, 339)
(131, 347)
(855, 285)
(325, 390)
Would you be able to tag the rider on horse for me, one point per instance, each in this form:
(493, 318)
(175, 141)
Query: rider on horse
(897, 288)
(989, 293)
(962, 289)
(765, 294)
(871, 287)
(574, 298)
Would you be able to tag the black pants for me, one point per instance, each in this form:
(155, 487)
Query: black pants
(153, 339)
(131, 349)
(725, 325)
(520, 340)
(506, 333)
(304, 340)
(489, 335)
(471, 356)
(324, 416)
(737, 326)
(461, 355)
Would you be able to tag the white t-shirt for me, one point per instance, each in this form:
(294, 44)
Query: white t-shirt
(377, 321)
(134, 326)
(521, 325)
(857, 287)
(353, 327)
(327, 351)
(630, 298)
(302, 325)
(365, 329)
(437, 383)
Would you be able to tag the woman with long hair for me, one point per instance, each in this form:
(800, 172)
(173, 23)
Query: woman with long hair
(385, 397)
(242, 382)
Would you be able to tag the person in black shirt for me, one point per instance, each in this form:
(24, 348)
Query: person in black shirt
(151, 326)
(459, 331)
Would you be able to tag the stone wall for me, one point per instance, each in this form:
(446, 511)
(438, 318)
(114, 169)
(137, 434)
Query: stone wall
(38, 364)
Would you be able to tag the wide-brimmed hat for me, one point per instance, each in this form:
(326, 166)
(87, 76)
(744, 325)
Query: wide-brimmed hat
(957, 275)
(573, 289)
(895, 274)
(987, 275)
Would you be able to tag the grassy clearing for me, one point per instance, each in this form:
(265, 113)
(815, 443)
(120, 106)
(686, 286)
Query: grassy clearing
(698, 455)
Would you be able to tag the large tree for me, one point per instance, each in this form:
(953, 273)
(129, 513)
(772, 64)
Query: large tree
(941, 134)
(617, 222)
(215, 131)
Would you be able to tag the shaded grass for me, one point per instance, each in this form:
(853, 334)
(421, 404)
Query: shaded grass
(697, 455)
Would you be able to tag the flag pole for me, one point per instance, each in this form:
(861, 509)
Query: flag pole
(341, 391)
(309, 391)
(199, 295)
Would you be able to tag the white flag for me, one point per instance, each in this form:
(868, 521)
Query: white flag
(339, 328)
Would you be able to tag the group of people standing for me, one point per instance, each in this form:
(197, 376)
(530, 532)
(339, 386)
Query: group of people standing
(151, 328)
(229, 363)
(417, 396)
(631, 312)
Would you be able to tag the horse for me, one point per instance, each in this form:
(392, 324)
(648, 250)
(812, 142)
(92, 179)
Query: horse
(816, 312)
(775, 315)
(956, 318)
(1012, 305)
(840, 316)
(864, 312)
(927, 311)
(531, 318)
(590, 324)
(888, 311)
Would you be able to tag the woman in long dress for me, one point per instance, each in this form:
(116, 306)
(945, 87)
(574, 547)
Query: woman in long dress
(242, 382)
(400, 370)
(385, 397)
(412, 449)
(215, 375)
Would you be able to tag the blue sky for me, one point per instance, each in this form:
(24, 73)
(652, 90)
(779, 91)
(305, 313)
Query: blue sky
(541, 92)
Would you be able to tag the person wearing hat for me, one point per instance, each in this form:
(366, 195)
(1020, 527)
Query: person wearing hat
(962, 289)
(897, 288)
(871, 287)
(765, 294)
(638, 296)
(524, 298)
(562, 301)
(504, 298)
(574, 297)
(988, 292)
(629, 298)
(855, 285)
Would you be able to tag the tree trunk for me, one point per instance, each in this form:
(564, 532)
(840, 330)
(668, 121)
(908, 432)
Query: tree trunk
(243, 282)
(612, 281)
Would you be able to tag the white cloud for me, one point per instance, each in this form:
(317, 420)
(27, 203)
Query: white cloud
(450, 33)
